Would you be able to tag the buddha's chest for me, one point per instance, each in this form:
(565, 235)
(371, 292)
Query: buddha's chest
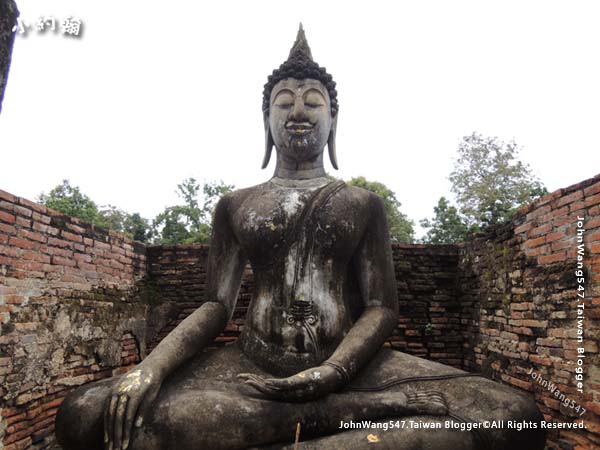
(273, 222)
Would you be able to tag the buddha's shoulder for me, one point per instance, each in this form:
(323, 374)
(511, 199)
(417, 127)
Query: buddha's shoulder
(360, 194)
(362, 197)
(236, 197)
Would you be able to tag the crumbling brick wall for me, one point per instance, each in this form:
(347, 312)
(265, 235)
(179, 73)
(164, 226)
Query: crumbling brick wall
(70, 313)
(519, 294)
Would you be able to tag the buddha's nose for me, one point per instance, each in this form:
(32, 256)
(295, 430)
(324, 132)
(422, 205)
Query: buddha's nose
(298, 113)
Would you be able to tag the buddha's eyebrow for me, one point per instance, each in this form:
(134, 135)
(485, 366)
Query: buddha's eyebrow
(315, 90)
(283, 91)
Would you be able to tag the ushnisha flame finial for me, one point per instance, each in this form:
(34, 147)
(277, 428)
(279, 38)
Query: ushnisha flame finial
(300, 49)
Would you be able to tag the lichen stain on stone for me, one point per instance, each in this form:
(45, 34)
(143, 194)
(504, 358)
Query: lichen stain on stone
(291, 203)
(290, 266)
(252, 219)
(62, 325)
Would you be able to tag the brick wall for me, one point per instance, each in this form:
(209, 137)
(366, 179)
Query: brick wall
(518, 291)
(69, 314)
(429, 320)
(79, 304)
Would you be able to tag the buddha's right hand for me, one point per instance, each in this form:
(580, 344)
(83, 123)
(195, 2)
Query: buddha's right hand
(128, 404)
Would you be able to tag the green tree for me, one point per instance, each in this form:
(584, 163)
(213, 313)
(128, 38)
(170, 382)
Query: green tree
(447, 227)
(490, 182)
(191, 222)
(137, 227)
(131, 225)
(71, 201)
(401, 228)
(112, 218)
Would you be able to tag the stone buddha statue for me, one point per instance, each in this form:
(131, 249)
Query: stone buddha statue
(310, 355)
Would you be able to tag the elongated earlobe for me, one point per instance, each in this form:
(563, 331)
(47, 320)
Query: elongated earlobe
(268, 143)
(331, 144)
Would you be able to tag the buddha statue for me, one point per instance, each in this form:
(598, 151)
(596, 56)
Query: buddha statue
(311, 355)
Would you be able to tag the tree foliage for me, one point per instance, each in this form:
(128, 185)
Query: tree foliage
(71, 201)
(132, 225)
(446, 227)
(401, 228)
(489, 181)
(190, 222)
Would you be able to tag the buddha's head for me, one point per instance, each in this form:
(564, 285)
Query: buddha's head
(300, 108)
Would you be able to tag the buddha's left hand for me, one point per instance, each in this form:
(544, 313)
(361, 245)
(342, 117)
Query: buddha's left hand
(306, 385)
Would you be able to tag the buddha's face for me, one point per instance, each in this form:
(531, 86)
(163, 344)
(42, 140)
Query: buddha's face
(300, 118)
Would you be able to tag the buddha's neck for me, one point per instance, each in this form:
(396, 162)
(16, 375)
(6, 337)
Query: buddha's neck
(287, 168)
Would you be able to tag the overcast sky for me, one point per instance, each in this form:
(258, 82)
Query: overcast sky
(156, 92)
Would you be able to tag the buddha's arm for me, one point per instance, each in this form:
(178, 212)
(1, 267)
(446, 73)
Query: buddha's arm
(374, 269)
(134, 394)
(226, 263)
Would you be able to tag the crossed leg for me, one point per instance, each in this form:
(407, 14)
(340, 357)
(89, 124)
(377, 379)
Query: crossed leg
(227, 420)
(206, 407)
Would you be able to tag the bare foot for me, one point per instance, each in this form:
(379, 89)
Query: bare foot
(410, 402)
(430, 403)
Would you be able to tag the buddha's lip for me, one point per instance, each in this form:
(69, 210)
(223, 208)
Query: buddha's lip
(296, 126)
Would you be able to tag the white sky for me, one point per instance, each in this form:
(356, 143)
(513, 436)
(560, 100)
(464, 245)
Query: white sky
(156, 92)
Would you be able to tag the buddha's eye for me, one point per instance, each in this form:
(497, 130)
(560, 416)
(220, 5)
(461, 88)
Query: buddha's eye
(284, 100)
(313, 100)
